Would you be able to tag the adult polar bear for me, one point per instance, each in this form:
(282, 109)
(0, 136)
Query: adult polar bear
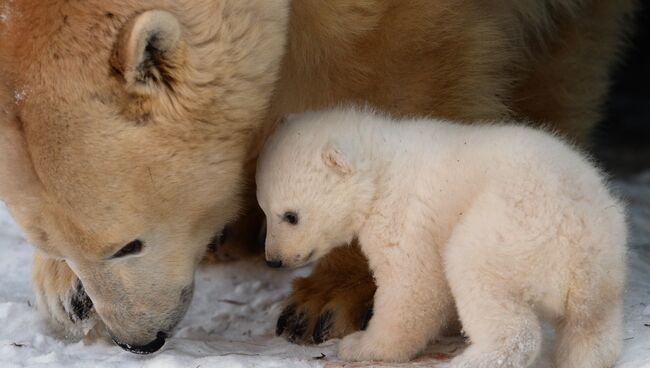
(129, 128)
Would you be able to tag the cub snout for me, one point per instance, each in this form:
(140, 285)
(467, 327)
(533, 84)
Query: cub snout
(275, 263)
(276, 260)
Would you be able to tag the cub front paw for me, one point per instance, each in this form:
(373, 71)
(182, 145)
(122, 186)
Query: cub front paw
(61, 298)
(363, 346)
(350, 348)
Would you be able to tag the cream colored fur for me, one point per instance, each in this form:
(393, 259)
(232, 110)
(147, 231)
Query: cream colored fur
(132, 124)
(506, 224)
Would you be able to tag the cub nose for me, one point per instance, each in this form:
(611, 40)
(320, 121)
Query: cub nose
(149, 348)
(274, 263)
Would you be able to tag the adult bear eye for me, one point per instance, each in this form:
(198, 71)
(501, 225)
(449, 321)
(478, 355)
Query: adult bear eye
(133, 247)
(290, 217)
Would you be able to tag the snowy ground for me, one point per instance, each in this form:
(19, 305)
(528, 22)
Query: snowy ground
(231, 321)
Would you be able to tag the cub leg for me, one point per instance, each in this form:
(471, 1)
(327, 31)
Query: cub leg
(503, 331)
(502, 326)
(412, 303)
(590, 342)
(590, 332)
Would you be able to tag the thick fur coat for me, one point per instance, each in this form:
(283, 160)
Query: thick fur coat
(501, 223)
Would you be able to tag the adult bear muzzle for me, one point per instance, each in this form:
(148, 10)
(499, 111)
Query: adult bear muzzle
(149, 348)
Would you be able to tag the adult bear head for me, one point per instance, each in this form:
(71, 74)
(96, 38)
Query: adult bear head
(124, 129)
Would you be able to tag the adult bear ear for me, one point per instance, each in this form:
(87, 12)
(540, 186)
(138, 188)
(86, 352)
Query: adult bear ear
(337, 159)
(148, 52)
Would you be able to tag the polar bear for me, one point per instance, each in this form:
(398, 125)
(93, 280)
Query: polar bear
(502, 223)
(130, 129)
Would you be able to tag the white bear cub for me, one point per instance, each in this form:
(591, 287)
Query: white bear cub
(500, 225)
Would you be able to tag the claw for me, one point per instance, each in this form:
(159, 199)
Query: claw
(365, 319)
(287, 313)
(323, 326)
(326, 304)
(297, 327)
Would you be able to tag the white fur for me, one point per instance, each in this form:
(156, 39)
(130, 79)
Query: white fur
(505, 223)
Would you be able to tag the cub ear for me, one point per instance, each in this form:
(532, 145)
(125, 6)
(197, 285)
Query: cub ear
(337, 160)
(148, 52)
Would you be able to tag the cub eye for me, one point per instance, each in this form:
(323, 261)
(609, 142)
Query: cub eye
(290, 217)
(133, 247)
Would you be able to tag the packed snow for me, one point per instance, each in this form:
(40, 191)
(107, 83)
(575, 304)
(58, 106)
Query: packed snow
(231, 320)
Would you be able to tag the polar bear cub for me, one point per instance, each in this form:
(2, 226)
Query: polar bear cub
(501, 224)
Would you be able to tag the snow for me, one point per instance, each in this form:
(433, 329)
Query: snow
(231, 320)
(646, 311)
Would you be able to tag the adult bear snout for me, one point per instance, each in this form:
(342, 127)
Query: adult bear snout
(149, 348)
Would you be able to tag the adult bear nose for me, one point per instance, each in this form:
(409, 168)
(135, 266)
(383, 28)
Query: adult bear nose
(149, 348)
(274, 263)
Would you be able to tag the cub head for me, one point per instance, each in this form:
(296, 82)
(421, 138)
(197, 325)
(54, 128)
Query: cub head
(124, 129)
(310, 187)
